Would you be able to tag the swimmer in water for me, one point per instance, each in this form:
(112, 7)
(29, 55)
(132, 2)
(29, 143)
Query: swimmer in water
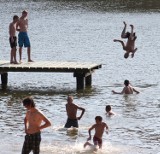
(128, 89)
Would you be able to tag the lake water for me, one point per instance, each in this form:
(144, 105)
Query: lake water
(84, 31)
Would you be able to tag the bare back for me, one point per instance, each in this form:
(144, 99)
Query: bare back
(71, 109)
(128, 90)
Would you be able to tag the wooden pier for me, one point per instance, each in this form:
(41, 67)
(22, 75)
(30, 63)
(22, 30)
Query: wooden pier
(81, 70)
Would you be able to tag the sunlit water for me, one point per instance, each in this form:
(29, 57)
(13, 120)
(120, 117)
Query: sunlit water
(60, 32)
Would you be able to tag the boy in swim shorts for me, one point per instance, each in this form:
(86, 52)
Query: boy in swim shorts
(13, 39)
(99, 130)
(23, 38)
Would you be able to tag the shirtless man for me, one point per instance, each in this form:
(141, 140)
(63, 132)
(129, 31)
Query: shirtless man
(130, 45)
(99, 130)
(71, 110)
(23, 38)
(127, 89)
(33, 126)
(13, 39)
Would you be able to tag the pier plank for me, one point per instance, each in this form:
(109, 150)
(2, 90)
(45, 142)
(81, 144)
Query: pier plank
(81, 70)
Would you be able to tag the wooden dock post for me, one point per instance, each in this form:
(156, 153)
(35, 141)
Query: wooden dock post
(79, 80)
(88, 80)
(82, 78)
(4, 79)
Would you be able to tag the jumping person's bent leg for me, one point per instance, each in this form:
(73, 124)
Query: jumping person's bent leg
(122, 43)
(123, 34)
(132, 37)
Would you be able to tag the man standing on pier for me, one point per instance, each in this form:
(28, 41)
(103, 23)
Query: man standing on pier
(71, 110)
(23, 39)
(34, 122)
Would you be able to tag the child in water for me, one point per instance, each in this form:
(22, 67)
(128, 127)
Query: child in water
(109, 110)
(99, 127)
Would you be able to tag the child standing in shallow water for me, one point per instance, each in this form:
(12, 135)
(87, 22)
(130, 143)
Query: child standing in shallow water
(99, 130)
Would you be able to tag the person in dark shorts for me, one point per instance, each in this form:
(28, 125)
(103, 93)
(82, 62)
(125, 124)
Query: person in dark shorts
(34, 122)
(32, 143)
(99, 130)
(71, 110)
(13, 39)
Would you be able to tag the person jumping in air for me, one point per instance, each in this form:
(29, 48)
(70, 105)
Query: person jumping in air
(129, 47)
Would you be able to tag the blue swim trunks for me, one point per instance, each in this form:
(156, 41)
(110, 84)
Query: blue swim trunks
(23, 39)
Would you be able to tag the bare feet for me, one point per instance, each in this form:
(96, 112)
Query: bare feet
(30, 60)
(16, 62)
(20, 61)
(11, 62)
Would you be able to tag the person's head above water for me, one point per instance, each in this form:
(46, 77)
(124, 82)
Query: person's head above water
(108, 108)
(126, 82)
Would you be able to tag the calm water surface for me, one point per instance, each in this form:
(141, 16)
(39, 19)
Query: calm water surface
(84, 31)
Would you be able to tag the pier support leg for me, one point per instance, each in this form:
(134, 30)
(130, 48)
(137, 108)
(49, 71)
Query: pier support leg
(4, 79)
(80, 82)
(88, 80)
(83, 78)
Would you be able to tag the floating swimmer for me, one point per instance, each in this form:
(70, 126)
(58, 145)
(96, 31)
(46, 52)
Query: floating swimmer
(129, 47)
